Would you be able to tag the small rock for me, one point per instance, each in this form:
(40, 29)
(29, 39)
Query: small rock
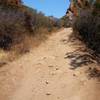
(57, 68)
(50, 66)
(48, 94)
(44, 58)
(74, 74)
(2, 63)
(53, 73)
(47, 82)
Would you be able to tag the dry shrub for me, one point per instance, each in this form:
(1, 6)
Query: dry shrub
(23, 46)
(22, 28)
(41, 34)
(88, 27)
(18, 23)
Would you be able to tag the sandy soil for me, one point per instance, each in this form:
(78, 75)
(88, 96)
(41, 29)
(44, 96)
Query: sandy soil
(44, 74)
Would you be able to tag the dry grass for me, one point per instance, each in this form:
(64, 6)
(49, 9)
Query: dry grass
(22, 29)
(28, 42)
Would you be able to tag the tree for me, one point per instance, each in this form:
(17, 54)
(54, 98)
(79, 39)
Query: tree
(11, 2)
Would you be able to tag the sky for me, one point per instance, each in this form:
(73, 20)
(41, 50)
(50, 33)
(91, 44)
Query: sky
(56, 8)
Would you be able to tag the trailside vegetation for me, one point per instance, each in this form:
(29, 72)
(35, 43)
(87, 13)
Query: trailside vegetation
(86, 21)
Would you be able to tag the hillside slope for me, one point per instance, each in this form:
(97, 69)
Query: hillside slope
(45, 74)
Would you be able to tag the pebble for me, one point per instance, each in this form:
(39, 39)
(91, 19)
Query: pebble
(48, 94)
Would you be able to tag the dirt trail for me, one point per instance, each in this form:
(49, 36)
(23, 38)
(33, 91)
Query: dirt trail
(44, 74)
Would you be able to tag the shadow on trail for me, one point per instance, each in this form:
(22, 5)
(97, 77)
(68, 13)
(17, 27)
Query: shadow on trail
(82, 56)
(78, 60)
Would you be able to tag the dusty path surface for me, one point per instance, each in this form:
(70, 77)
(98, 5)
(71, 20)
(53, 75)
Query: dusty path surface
(44, 74)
